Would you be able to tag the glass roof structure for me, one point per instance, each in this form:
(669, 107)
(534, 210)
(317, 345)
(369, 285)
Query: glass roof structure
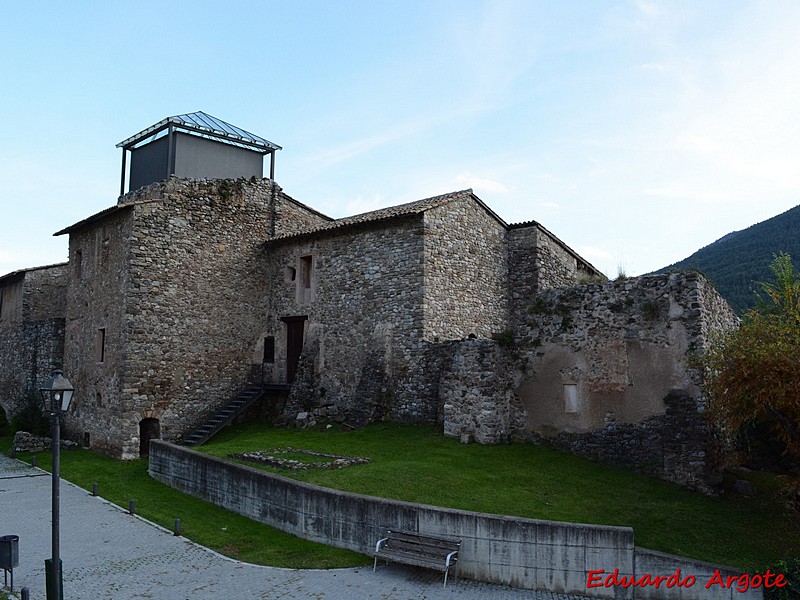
(206, 126)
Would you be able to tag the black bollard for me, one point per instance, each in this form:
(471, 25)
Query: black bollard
(177, 527)
(33, 460)
(132, 508)
(26, 594)
(94, 489)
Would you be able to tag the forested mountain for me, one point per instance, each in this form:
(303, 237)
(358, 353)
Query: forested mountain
(736, 261)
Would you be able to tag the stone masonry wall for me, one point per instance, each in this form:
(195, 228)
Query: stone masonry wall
(623, 348)
(179, 305)
(29, 354)
(477, 393)
(31, 334)
(383, 300)
(537, 262)
(363, 350)
(466, 270)
(96, 332)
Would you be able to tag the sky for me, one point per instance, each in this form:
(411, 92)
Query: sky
(637, 131)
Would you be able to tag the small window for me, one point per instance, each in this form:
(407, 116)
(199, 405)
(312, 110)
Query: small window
(305, 271)
(291, 274)
(100, 345)
(269, 349)
(104, 250)
(78, 264)
(571, 400)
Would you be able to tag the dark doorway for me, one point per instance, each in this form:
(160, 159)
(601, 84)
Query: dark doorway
(294, 344)
(149, 429)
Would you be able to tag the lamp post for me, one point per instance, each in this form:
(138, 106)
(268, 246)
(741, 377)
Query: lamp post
(56, 395)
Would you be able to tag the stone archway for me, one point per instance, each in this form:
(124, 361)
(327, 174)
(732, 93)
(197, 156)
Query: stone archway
(149, 429)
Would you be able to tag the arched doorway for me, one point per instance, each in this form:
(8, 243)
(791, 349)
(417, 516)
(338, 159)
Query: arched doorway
(149, 429)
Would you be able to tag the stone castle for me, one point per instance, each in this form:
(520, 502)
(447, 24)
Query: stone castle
(206, 276)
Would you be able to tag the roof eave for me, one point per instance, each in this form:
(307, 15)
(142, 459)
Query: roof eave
(91, 220)
(260, 144)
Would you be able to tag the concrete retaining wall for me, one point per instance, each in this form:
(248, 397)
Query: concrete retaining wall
(526, 553)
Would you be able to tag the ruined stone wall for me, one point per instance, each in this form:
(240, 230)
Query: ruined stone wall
(466, 270)
(603, 371)
(363, 349)
(31, 334)
(477, 392)
(177, 295)
(623, 347)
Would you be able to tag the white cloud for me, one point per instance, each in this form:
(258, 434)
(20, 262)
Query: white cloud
(362, 205)
(481, 184)
(594, 253)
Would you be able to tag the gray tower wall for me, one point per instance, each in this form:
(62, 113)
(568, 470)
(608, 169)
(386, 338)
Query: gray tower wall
(193, 157)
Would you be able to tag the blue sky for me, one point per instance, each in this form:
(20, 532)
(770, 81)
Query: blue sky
(636, 131)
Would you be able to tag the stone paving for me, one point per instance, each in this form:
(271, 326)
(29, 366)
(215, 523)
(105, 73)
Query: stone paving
(108, 553)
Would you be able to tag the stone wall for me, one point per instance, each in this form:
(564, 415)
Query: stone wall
(363, 346)
(29, 353)
(384, 299)
(31, 333)
(602, 370)
(477, 393)
(95, 359)
(466, 271)
(173, 278)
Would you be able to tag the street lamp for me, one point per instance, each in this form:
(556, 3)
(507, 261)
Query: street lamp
(56, 395)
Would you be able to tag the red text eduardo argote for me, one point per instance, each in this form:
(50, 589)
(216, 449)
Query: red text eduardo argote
(741, 583)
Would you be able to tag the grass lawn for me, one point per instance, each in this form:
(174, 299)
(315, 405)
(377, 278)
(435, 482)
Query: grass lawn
(419, 464)
(209, 525)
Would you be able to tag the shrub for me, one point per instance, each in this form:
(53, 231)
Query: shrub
(30, 418)
(791, 568)
(4, 430)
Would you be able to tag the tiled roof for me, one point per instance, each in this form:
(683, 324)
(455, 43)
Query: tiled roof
(21, 272)
(94, 218)
(411, 208)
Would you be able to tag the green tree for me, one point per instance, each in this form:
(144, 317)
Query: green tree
(753, 373)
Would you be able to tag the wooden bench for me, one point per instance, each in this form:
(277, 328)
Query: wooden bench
(419, 550)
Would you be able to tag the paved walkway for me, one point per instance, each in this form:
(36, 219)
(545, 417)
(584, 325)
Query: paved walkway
(108, 553)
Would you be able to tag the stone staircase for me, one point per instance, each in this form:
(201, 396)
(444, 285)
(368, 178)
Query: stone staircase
(225, 415)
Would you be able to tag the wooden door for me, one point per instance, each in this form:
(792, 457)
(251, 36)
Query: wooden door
(294, 344)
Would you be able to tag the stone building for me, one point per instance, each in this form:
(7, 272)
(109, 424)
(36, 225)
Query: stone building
(435, 311)
(32, 308)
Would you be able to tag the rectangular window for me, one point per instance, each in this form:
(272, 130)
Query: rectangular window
(100, 345)
(104, 250)
(571, 401)
(269, 349)
(305, 271)
(78, 264)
